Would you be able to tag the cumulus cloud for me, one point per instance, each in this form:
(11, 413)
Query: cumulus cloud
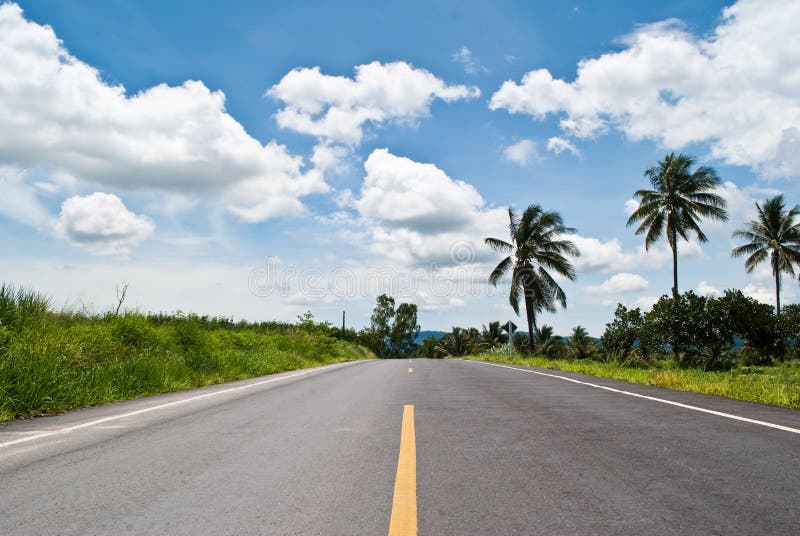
(415, 212)
(741, 208)
(706, 289)
(338, 108)
(523, 152)
(631, 206)
(735, 89)
(558, 145)
(58, 113)
(619, 283)
(611, 256)
(100, 223)
(467, 60)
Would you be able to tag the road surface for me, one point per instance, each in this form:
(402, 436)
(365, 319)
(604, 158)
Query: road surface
(445, 447)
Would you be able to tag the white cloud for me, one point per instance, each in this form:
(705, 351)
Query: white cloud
(741, 209)
(559, 145)
(414, 212)
(645, 303)
(337, 108)
(705, 289)
(760, 293)
(403, 193)
(19, 200)
(59, 114)
(523, 152)
(735, 89)
(631, 206)
(619, 283)
(610, 256)
(467, 60)
(101, 224)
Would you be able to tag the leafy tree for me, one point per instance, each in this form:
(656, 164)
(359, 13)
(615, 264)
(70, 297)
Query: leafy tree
(429, 348)
(537, 245)
(624, 332)
(404, 331)
(682, 323)
(751, 320)
(679, 198)
(493, 335)
(790, 324)
(774, 235)
(392, 331)
(381, 326)
(580, 345)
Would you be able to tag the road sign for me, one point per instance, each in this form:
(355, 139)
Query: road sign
(510, 327)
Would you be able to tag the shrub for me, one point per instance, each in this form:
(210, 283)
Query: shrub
(623, 333)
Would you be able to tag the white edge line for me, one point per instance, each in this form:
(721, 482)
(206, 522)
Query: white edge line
(102, 420)
(637, 395)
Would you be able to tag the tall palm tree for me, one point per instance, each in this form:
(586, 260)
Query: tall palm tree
(537, 245)
(775, 234)
(675, 205)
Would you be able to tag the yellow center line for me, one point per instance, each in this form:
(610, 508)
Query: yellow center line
(404, 505)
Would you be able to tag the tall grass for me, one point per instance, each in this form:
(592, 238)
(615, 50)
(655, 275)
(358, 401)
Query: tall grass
(53, 361)
(778, 385)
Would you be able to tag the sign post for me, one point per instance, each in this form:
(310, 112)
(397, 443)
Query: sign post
(510, 327)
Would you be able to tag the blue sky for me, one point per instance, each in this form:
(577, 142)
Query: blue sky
(185, 190)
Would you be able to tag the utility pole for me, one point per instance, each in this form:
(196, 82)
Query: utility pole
(342, 325)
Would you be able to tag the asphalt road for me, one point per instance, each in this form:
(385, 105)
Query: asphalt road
(498, 451)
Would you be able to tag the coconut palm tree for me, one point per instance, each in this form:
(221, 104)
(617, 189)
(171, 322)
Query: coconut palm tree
(460, 342)
(580, 345)
(493, 335)
(775, 234)
(547, 344)
(537, 245)
(675, 205)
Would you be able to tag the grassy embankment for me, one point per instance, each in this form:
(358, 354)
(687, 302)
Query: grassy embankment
(53, 361)
(778, 385)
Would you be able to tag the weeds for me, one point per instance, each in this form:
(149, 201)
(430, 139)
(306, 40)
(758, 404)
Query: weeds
(54, 361)
(778, 385)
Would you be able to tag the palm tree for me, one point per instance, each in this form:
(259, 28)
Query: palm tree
(493, 335)
(537, 245)
(580, 344)
(678, 199)
(547, 344)
(459, 342)
(775, 234)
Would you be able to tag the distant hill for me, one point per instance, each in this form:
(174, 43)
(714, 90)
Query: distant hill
(425, 334)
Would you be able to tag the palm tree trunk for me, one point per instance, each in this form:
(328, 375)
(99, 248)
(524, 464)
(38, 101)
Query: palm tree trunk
(777, 292)
(674, 245)
(530, 315)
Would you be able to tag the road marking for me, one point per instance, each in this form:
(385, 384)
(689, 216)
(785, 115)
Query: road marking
(663, 401)
(410, 369)
(95, 422)
(404, 504)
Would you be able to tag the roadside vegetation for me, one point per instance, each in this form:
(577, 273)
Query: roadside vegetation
(729, 345)
(52, 361)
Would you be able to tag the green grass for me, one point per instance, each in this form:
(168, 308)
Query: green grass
(778, 385)
(54, 361)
